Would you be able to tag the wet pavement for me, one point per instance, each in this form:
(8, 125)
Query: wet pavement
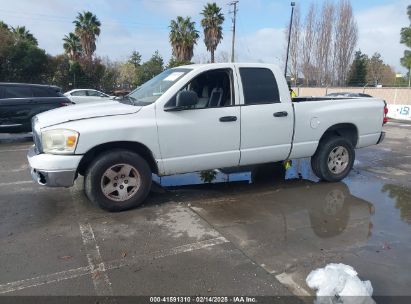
(244, 233)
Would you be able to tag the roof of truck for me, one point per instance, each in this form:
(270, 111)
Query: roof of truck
(225, 64)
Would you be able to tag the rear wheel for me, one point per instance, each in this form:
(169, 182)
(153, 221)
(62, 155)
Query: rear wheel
(333, 159)
(118, 180)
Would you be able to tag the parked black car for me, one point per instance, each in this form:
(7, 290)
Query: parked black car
(19, 102)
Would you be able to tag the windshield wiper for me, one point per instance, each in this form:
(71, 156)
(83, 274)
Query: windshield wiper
(128, 99)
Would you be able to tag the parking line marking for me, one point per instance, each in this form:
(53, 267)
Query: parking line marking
(102, 268)
(16, 183)
(287, 280)
(102, 284)
(45, 279)
(14, 150)
(115, 264)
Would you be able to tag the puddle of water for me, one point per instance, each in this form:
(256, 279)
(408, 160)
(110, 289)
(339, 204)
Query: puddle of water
(264, 173)
(293, 224)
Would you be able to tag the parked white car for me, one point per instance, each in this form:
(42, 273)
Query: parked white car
(79, 96)
(198, 117)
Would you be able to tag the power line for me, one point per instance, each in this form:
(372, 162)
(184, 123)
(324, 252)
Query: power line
(234, 12)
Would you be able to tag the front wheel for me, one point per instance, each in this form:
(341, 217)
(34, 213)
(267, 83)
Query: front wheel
(333, 159)
(118, 180)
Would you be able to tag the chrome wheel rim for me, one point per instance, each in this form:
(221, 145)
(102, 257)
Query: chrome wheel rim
(120, 182)
(338, 160)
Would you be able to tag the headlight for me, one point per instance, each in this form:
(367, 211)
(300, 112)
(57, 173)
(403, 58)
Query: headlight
(59, 141)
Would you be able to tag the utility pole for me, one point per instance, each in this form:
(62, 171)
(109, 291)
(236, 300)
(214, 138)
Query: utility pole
(289, 37)
(233, 3)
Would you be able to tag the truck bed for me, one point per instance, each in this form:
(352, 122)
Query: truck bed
(319, 98)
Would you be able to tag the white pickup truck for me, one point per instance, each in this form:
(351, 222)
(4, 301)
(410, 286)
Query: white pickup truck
(193, 118)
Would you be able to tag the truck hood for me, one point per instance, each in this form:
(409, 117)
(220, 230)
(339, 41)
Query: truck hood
(84, 111)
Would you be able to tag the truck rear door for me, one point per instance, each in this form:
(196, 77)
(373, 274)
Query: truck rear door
(266, 122)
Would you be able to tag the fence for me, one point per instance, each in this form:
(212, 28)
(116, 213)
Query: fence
(393, 96)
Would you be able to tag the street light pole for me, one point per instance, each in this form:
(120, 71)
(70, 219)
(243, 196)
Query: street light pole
(289, 37)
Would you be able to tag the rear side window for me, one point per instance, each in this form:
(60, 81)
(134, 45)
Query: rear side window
(79, 93)
(259, 86)
(93, 93)
(17, 92)
(43, 92)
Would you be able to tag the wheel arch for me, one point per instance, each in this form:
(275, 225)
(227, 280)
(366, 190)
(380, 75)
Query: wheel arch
(135, 147)
(346, 130)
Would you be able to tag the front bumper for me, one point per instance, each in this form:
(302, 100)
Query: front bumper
(53, 170)
(54, 178)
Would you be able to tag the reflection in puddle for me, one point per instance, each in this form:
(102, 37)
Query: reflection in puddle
(291, 224)
(301, 209)
(402, 197)
(274, 172)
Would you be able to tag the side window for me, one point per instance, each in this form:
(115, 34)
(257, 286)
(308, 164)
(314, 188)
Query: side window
(17, 92)
(42, 92)
(93, 93)
(79, 93)
(259, 86)
(213, 88)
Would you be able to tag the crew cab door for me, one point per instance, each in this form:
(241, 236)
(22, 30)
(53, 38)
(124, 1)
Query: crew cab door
(266, 122)
(206, 136)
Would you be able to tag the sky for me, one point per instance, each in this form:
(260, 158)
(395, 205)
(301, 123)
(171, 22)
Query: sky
(142, 25)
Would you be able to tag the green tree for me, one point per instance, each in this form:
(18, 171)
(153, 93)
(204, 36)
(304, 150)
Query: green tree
(406, 62)
(151, 68)
(26, 63)
(135, 59)
(87, 28)
(358, 71)
(3, 25)
(127, 75)
(406, 40)
(175, 63)
(406, 31)
(6, 47)
(22, 34)
(212, 26)
(183, 36)
(72, 46)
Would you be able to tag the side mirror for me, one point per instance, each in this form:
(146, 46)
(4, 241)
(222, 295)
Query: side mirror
(186, 99)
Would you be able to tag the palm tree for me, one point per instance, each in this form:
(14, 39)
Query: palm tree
(183, 37)
(211, 23)
(87, 29)
(72, 46)
(22, 34)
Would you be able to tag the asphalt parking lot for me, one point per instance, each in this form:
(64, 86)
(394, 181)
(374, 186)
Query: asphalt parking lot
(232, 237)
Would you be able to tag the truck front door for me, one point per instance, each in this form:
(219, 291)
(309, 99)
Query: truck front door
(207, 135)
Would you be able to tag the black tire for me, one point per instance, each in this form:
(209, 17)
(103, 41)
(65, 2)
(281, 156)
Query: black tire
(320, 160)
(95, 178)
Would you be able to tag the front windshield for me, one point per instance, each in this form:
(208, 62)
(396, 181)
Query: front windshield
(150, 91)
